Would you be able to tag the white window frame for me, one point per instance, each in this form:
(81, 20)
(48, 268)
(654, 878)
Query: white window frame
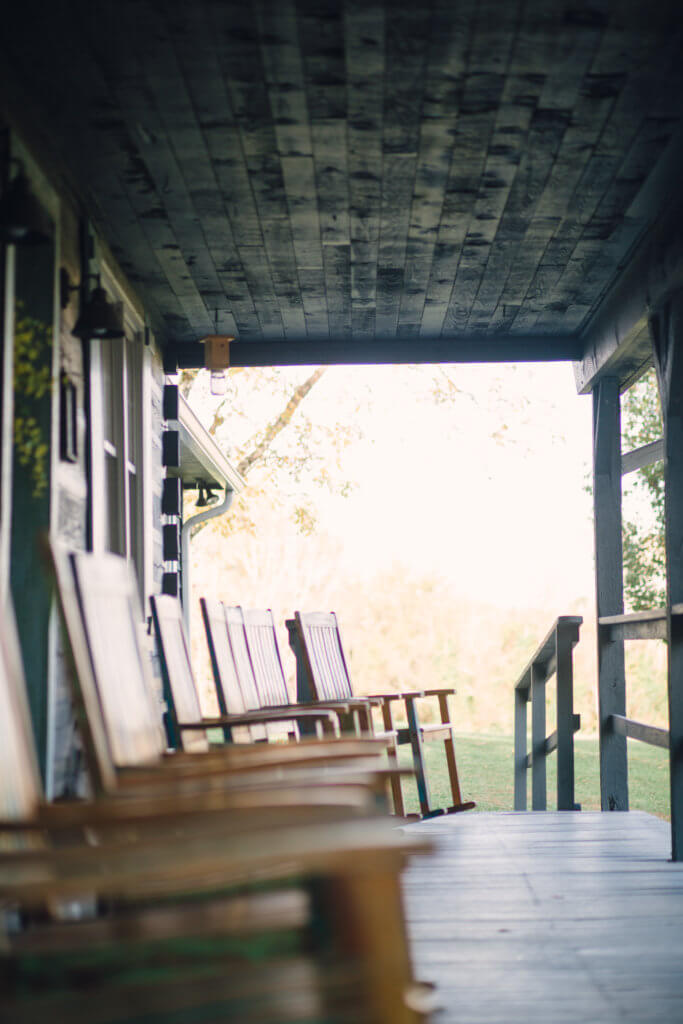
(138, 520)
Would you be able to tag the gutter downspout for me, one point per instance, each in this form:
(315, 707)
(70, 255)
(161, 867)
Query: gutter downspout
(185, 537)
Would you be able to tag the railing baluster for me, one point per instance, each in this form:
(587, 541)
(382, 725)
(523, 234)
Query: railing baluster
(538, 754)
(554, 656)
(564, 641)
(521, 697)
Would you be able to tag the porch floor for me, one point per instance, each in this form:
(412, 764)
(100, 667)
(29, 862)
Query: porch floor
(549, 917)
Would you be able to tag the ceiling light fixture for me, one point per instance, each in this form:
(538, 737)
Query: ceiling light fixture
(206, 496)
(23, 220)
(217, 359)
(99, 316)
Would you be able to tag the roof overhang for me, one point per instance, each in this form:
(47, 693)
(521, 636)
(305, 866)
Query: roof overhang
(201, 459)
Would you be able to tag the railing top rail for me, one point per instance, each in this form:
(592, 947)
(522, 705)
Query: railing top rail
(645, 455)
(651, 615)
(545, 651)
(650, 734)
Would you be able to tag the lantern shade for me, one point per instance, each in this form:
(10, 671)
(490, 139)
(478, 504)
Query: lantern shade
(217, 351)
(23, 221)
(99, 317)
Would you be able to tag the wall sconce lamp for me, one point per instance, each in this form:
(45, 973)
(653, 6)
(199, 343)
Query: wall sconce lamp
(217, 360)
(23, 221)
(99, 316)
(206, 496)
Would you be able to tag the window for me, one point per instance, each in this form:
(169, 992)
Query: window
(118, 429)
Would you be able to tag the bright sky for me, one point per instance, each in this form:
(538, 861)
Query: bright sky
(488, 489)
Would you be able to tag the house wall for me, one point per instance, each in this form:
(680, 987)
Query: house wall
(70, 499)
(69, 505)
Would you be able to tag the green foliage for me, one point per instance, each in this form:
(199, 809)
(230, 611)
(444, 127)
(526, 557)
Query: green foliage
(643, 537)
(32, 382)
(485, 768)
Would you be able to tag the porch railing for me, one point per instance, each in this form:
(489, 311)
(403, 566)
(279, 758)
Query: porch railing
(553, 657)
(648, 625)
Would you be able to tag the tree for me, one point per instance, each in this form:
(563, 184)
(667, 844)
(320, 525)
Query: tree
(643, 536)
(264, 430)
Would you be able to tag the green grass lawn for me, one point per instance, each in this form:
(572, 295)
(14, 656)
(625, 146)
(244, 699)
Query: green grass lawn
(485, 767)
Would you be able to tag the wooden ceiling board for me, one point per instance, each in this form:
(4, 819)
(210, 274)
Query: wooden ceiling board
(360, 170)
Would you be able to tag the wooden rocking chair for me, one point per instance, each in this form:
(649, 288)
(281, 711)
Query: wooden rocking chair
(120, 720)
(322, 673)
(245, 653)
(183, 933)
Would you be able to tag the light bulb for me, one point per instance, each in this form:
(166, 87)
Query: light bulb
(219, 382)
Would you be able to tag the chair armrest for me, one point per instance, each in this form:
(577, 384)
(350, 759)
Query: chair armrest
(321, 706)
(284, 714)
(344, 703)
(413, 694)
(398, 696)
(374, 700)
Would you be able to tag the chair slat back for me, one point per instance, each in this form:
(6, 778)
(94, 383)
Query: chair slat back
(180, 689)
(113, 623)
(20, 785)
(233, 620)
(87, 704)
(234, 623)
(228, 692)
(323, 655)
(264, 651)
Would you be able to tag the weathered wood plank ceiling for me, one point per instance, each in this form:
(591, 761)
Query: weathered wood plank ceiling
(302, 170)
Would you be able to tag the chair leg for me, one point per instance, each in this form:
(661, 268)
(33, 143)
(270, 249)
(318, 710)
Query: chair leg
(418, 760)
(370, 928)
(449, 746)
(396, 791)
(365, 718)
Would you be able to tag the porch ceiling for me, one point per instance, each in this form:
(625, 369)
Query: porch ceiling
(362, 176)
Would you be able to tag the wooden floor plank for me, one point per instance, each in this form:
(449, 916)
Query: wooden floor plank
(549, 918)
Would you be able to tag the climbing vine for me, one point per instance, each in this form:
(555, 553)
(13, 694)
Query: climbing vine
(32, 381)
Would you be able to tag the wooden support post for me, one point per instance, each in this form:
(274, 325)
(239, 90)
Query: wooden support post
(538, 772)
(564, 638)
(520, 750)
(667, 341)
(609, 590)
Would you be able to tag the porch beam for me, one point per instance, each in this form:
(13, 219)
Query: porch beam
(609, 590)
(667, 343)
(471, 348)
(616, 341)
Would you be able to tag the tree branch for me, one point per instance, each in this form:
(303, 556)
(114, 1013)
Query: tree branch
(280, 422)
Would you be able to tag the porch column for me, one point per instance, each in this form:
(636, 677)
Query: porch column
(667, 343)
(609, 587)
